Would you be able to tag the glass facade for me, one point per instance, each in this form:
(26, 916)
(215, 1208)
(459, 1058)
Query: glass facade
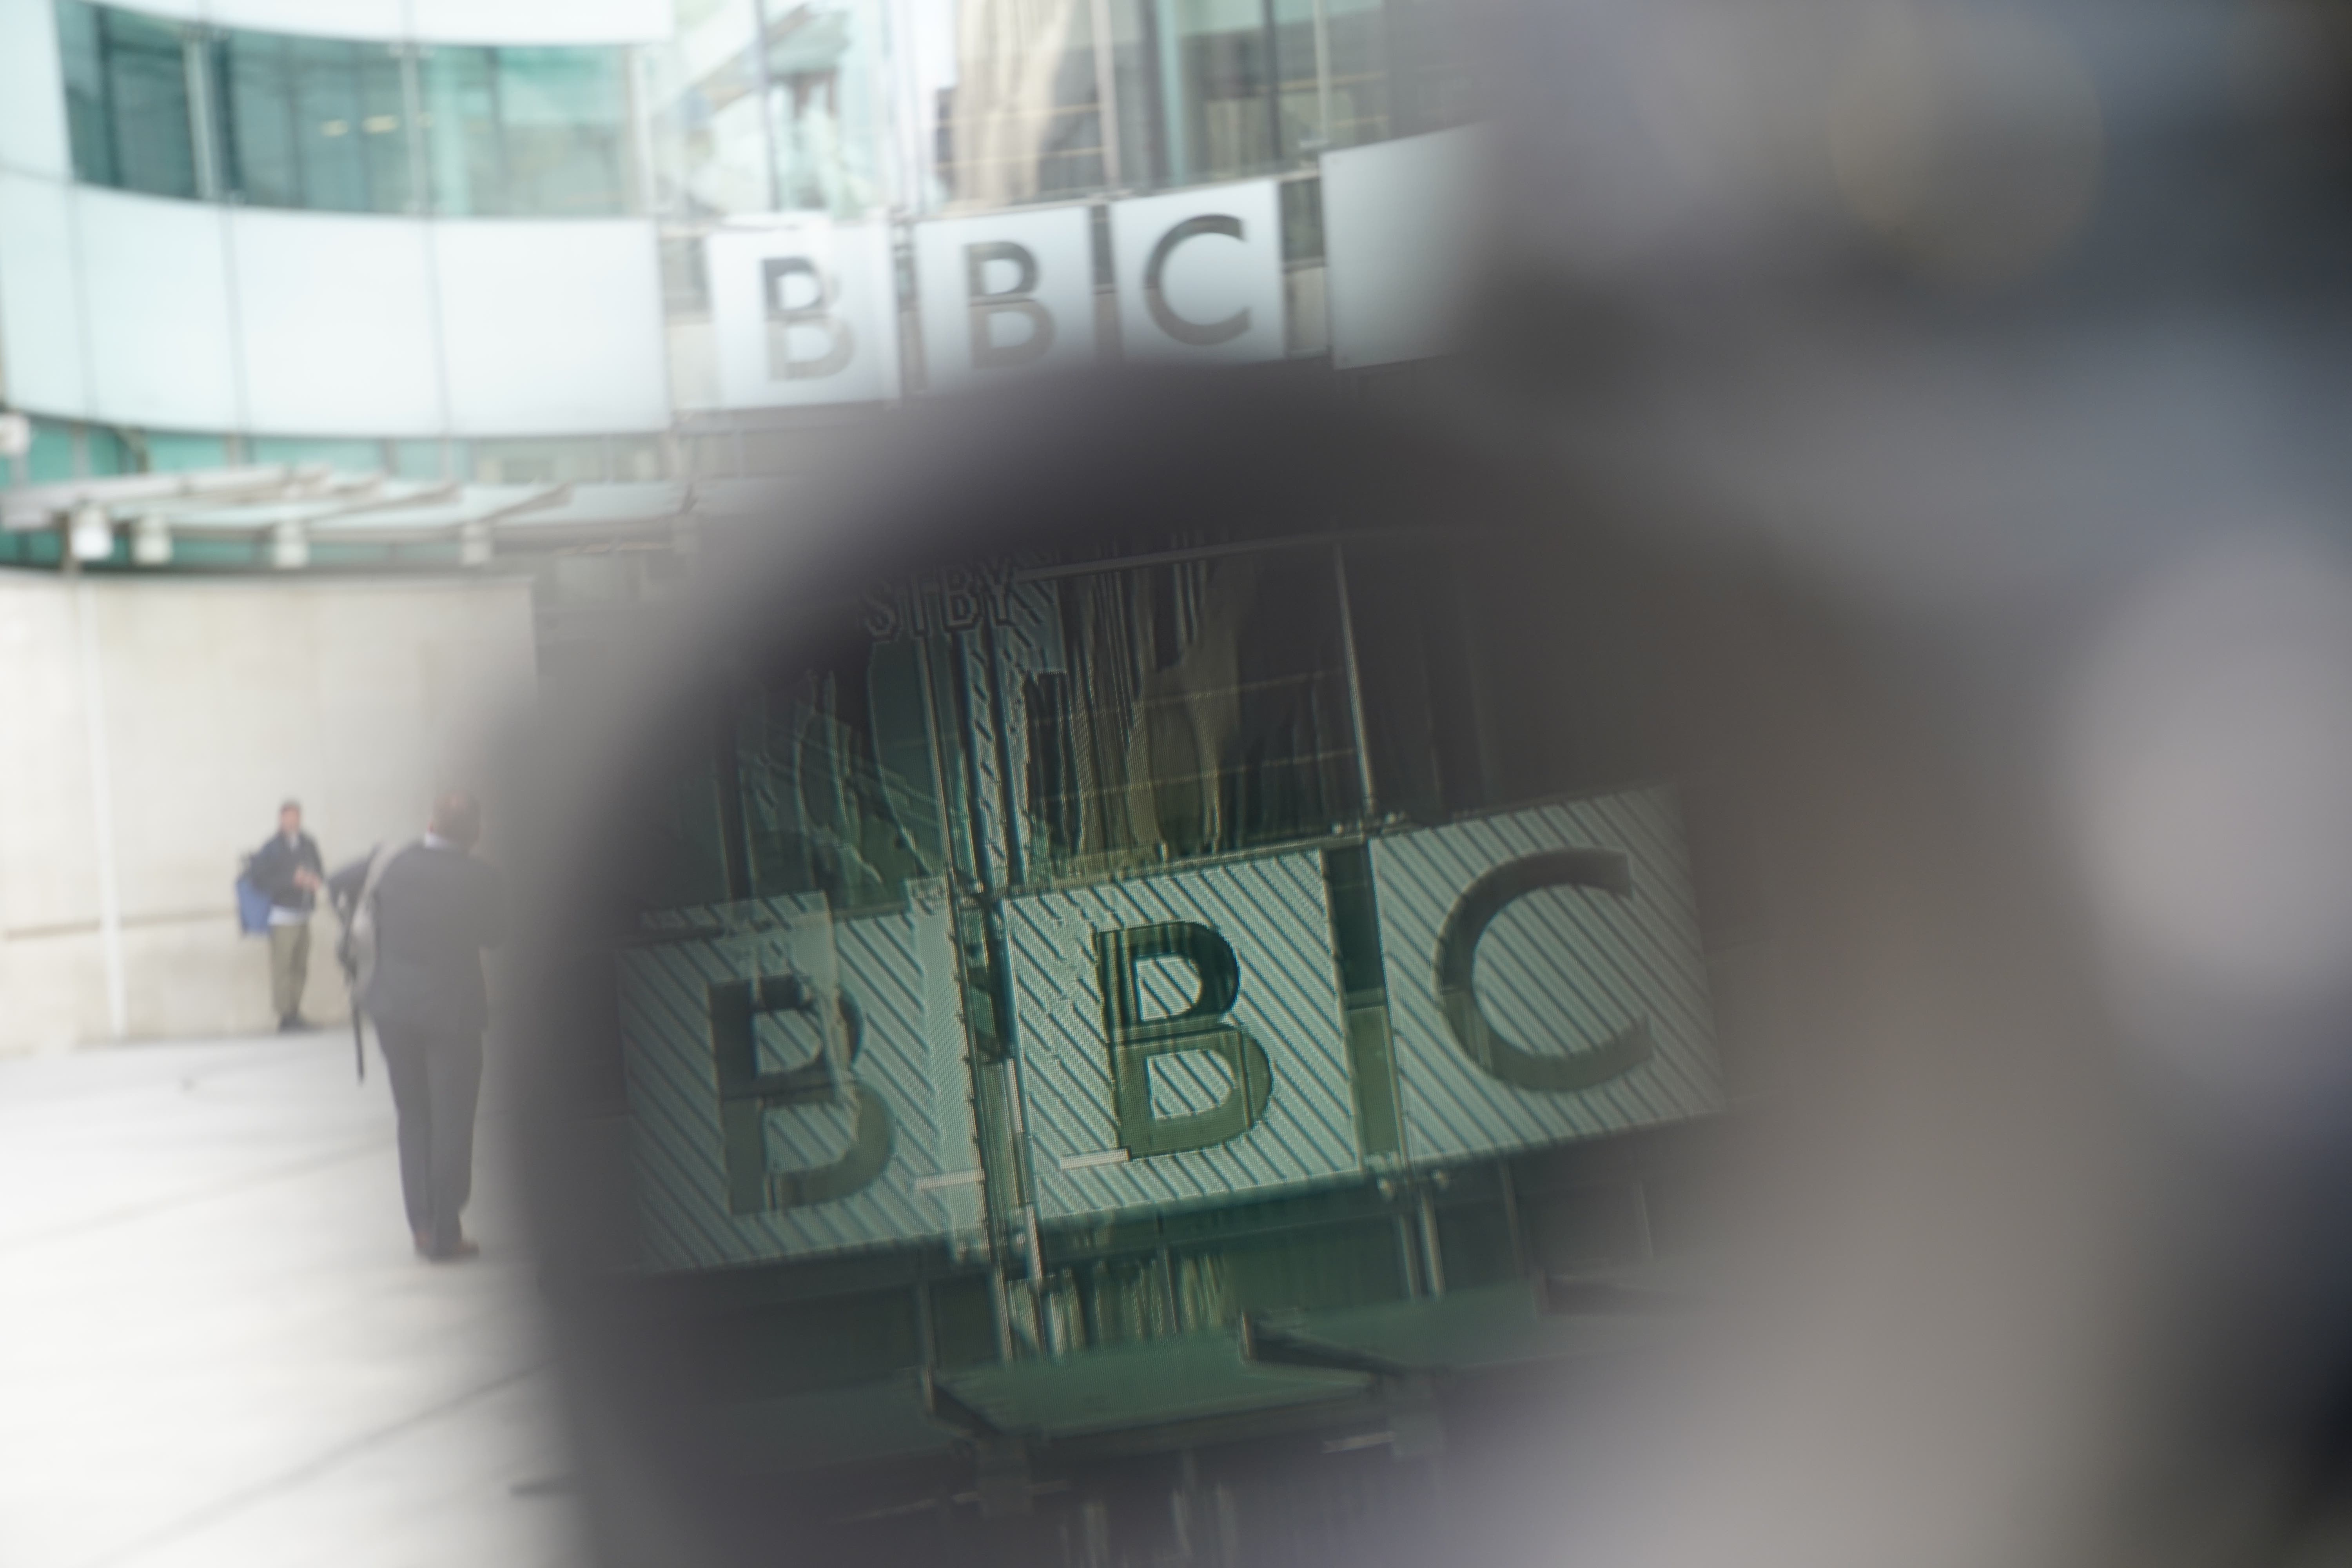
(855, 109)
(127, 107)
(975, 104)
(767, 107)
(273, 119)
(314, 122)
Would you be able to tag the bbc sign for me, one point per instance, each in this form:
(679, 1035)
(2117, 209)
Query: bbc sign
(806, 311)
(1296, 1019)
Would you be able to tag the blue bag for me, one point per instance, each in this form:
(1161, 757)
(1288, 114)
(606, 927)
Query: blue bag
(252, 907)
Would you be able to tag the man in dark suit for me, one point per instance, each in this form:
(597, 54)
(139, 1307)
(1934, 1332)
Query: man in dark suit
(287, 868)
(435, 909)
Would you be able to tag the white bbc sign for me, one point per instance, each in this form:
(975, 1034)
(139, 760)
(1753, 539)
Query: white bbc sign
(1010, 292)
(806, 311)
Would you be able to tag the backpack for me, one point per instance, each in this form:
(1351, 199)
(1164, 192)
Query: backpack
(252, 903)
(356, 948)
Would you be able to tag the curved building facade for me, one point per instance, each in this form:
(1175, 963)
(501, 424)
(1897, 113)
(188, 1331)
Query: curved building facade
(628, 240)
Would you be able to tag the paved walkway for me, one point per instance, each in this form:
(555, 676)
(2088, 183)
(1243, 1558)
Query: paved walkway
(216, 1345)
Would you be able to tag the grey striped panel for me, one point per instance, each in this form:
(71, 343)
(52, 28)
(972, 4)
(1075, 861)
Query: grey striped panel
(1559, 970)
(884, 963)
(1272, 911)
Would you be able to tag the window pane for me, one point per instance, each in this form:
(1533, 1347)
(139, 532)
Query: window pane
(257, 111)
(343, 456)
(315, 122)
(80, 55)
(429, 459)
(710, 148)
(1227, 117)
(175, 453)
(528, 132)
(564, 113)
(52, 456)
(104, 452)
(1197, 709)
(126, 100)
(461, 125)
(539, 462)
(829, 127)
(1008, 90)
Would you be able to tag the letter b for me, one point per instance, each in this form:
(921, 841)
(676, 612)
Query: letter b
(1201, 1027)
(988, 305)
(816, 316)
(748, 1096)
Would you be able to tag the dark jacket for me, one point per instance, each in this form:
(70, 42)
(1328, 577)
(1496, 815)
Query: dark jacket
(273, 868)
(436, 909)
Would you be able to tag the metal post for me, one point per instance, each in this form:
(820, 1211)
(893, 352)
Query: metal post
(1354, 681)
(196, 46)
(1511, 1220)
(1433, 1255)
(1106, 96)
(1323, 70)
(1170, 40)
(767, 105)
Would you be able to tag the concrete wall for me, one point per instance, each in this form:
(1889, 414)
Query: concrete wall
(148, 732)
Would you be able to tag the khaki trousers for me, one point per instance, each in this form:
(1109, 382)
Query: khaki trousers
(289, 966)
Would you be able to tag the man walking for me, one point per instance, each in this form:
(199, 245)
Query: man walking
(287, 868)
(436, 907)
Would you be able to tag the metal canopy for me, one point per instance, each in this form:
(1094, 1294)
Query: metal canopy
(298, 505)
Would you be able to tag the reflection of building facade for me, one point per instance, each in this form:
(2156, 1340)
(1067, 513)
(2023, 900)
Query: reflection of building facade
(525, 243)
(1210, 1043)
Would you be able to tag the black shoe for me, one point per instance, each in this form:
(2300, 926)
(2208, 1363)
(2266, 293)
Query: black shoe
(295, 1023)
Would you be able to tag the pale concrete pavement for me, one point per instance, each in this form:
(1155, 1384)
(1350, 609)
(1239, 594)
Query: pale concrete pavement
(216, 1346)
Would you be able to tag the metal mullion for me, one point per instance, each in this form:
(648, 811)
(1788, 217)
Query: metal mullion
(760, 75)
(1323, 70)
(194, 44)
(1107, 97)
(411, 105)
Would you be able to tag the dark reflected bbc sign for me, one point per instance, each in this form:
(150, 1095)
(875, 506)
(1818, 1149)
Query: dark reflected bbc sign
(1292, 1019)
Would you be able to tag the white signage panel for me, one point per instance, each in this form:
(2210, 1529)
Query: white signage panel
(1401, 227)
(805, 312)
(1199, 273)
(1180, 1037)
(1545, 975)
(798, 1083)
(1009, 291)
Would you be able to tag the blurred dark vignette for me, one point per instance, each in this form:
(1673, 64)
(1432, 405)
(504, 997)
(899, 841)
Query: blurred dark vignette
(1825, 520)
(1898, 458)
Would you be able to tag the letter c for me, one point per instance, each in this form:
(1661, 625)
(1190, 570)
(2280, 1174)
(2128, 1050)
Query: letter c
(1605, 870)
(1198, 334)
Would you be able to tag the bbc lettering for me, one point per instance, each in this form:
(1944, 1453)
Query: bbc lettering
(1308, 1006)
(806, 310)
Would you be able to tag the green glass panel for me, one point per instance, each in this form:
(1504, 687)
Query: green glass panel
(144, 75)
(429, 459)
(461, 128)
(105, 453)
(540, 462)
(564, 117)
(320, 123)
(51, 458)
(168, 453)
(257, 112)
(528, 132)
(344, 456)
(81, 61)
